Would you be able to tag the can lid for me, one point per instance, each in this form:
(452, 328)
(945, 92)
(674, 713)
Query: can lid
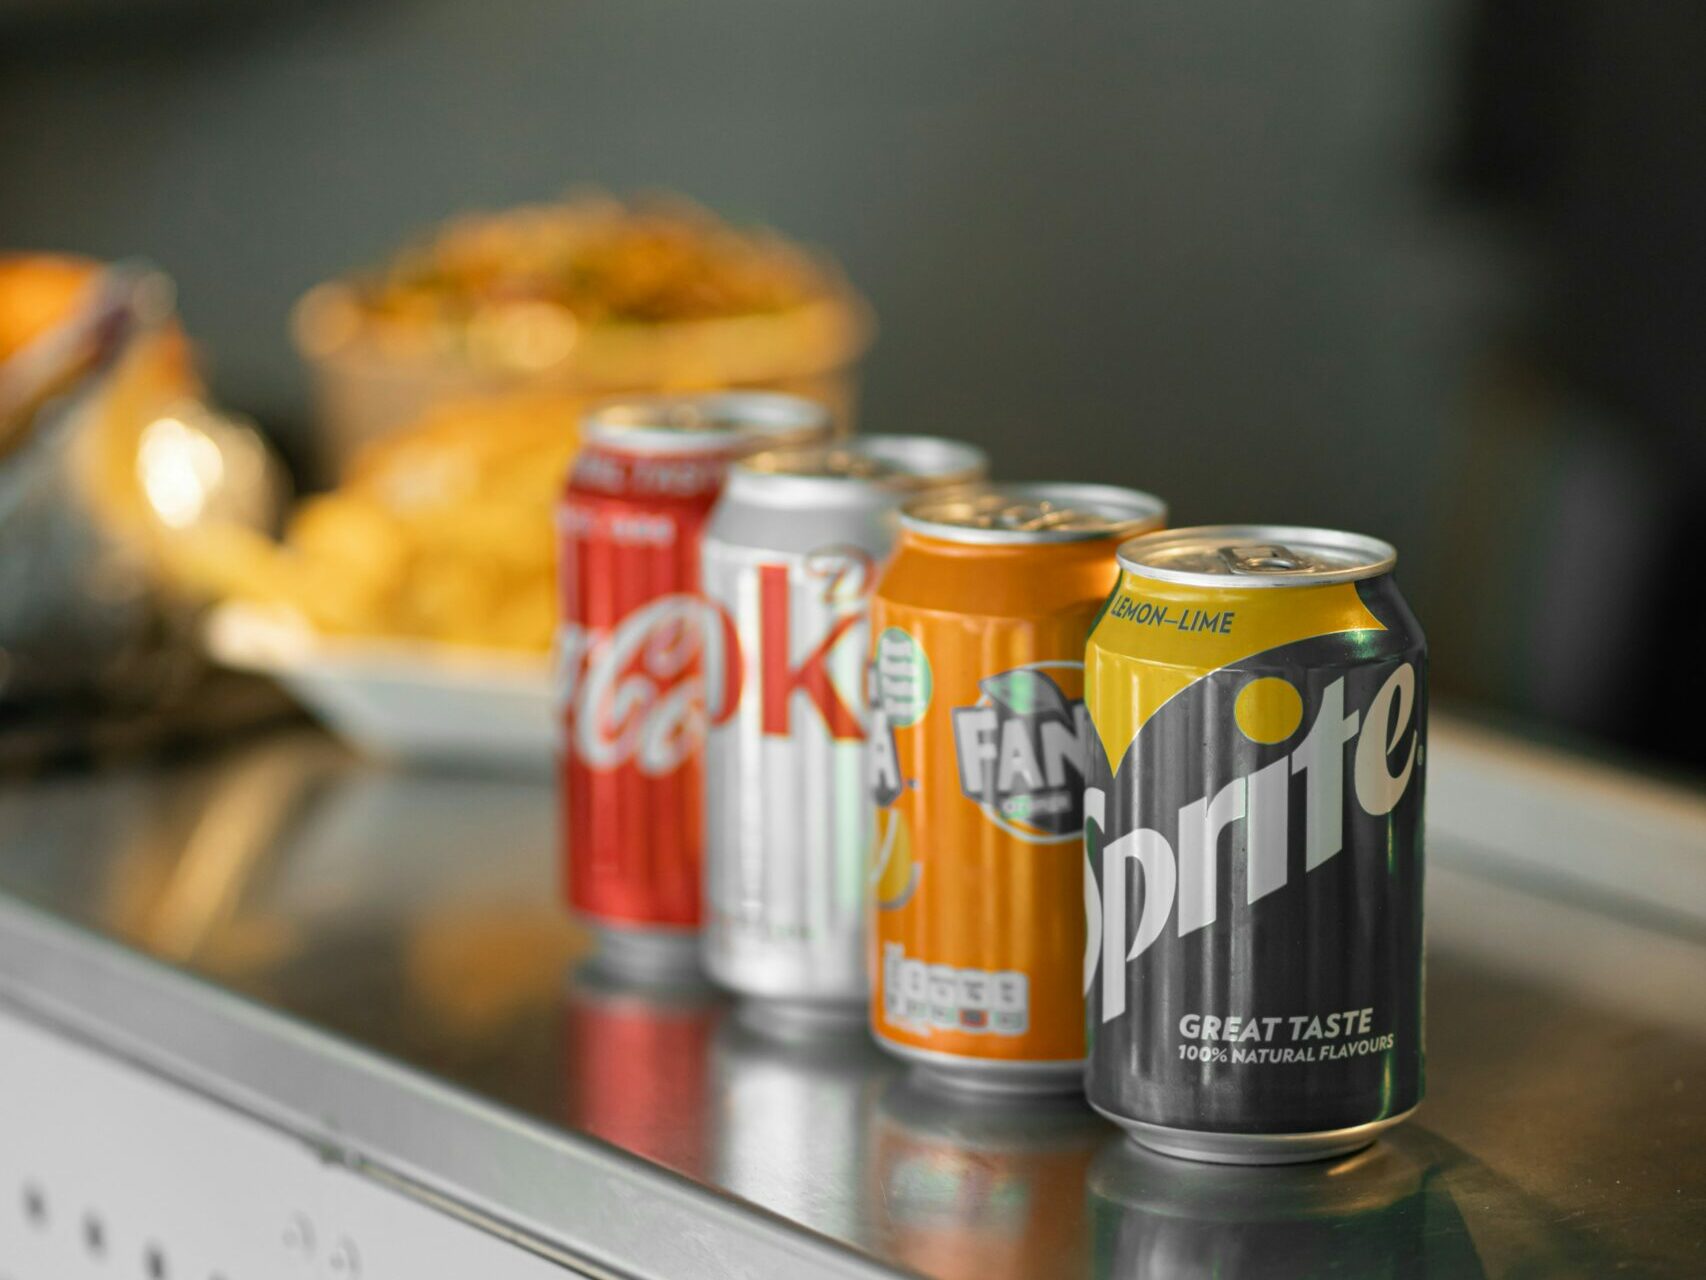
(885, 462)
(1034, 513)
(728, 421)
(1257, 555)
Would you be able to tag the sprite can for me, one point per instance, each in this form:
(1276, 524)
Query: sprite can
(1253, 832)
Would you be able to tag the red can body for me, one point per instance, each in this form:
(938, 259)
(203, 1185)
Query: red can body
(644, 662)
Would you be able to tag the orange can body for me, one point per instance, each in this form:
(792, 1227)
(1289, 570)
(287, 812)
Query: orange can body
(977, 758)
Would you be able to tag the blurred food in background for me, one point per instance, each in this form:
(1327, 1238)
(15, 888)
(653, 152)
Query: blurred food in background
(584, 298)
(117, 482)
(439, 533)
(412, 606)
(411, 609)
(37, 292)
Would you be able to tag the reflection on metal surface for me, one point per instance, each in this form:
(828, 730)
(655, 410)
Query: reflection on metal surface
(1369, 1214)
(412, 915)
(1398, 1208)
(482, 969)
(791, 1109)
(635, 1064)
(233, 834)
(985, 1189)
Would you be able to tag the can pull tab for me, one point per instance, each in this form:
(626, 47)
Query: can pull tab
(1263, 557)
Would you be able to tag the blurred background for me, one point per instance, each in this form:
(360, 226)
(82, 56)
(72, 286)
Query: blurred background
(1434, 271)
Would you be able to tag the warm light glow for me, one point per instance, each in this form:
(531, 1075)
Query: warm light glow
(180, 467)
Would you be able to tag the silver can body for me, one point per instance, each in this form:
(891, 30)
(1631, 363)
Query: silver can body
(792, 558)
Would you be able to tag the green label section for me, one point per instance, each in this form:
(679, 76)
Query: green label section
(904, 682)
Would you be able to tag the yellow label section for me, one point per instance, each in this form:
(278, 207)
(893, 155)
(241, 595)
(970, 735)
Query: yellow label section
(1155, 639)
(1268, 710)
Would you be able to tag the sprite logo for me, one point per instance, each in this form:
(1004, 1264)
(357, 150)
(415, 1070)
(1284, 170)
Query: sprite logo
(1180, 868)
(1021, 750)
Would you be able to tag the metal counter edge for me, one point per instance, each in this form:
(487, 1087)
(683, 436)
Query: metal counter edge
(563, 1196)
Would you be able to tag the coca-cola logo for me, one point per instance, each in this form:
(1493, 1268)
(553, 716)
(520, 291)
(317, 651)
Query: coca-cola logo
(646, 690)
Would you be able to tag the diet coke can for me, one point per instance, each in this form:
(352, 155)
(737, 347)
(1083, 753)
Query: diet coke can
(643, 662)
(790, 558)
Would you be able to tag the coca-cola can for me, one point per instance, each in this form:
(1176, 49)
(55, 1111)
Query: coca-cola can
(643, 662)
(790, 557)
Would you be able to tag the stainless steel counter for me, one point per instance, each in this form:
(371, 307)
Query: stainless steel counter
(372, 964)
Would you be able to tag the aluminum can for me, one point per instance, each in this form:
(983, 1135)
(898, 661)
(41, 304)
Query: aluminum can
(976, 758)
(1253, 829)
(643, 663)
(790, 557)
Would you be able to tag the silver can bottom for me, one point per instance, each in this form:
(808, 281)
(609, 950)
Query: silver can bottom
(648, 953)
(989, 1077)
(794, 980)
(800, 1019)
(1254, 1148)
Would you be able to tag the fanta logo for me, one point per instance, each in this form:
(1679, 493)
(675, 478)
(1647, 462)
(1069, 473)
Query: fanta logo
(645, 691)
(1187, 876)
(899, 684)
(883, 758)
(845, 574)
(1021, 750)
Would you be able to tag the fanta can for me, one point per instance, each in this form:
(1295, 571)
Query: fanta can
(977, 759)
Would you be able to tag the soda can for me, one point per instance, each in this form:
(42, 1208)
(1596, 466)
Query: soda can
(790, 556)
(1254, 838)
(643, 662)
(977, 757)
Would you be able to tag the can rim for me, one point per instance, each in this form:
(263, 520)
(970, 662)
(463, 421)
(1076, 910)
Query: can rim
(1130, 512)
(918, 462)
(1367, 557)
(698, 424)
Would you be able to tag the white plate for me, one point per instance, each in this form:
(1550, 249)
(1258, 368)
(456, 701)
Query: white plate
(399, 700)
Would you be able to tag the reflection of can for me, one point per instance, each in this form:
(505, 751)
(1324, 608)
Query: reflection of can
(790, 555)
(978, 734)
(1369, 1214)
(642, 661)
(635, 1058)
(791, 1118)
(1253, 825)
(984, 1191)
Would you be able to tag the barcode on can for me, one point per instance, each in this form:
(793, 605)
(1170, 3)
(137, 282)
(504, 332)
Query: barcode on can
(921, 996)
